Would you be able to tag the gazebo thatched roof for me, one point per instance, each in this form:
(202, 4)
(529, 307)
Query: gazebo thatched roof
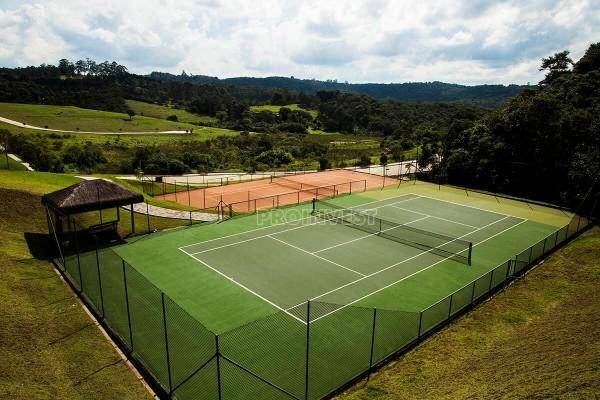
(90, 195)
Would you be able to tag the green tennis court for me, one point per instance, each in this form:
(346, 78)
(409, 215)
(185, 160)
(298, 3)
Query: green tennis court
(331, 262)
(295, 302)
(232, 273)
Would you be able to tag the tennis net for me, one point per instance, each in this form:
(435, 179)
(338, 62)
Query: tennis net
(304, 187)
(441, 245)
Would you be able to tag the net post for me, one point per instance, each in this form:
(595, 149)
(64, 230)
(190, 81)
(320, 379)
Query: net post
(470, 252)
(307, 349)
(372, 344)
(162, 297)
(127, 303)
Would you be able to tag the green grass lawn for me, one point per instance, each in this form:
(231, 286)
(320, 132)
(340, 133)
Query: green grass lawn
(49, 347)
(275, 109)
(70, 118)
(75, 118)
(162, 112)
(339, 343)
(10, 164)
(537, 339)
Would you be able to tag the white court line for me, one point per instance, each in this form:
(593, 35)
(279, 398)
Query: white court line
(249, 290)
(403, 261)
(421, 270)
(319, 221)
(464, 205)
(301, 219)
(433, 216)
(366, 236)
(316, 255)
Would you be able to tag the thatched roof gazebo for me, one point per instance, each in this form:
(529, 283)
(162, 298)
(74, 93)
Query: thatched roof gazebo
(88, 196)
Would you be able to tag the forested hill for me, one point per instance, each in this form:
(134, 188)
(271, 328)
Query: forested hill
(491, 96)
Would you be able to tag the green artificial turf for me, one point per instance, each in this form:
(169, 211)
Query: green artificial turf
(176, 301)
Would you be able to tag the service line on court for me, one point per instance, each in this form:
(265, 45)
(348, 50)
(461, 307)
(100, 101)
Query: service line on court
(369, 235)
(315, 255)
(301, 219)
(416, 272)
(432, 216)
(319, 221)
(248, 289)
(464, 205)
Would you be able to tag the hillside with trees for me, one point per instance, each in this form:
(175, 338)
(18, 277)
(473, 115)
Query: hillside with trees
(545, 144)
(490, 96)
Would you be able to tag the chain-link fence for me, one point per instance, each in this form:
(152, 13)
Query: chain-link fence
(309, 354)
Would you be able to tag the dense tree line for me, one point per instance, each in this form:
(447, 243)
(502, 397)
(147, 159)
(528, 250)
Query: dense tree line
(491, 96)
(544, 144)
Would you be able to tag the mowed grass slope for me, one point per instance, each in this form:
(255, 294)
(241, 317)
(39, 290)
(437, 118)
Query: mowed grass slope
(49, 347)
(70, 118)
(163, 112)
(537, 339)
(275, 109)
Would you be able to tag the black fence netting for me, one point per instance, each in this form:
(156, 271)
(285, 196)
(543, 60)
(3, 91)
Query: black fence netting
(306, 352)
(393, 330)
(273, 348)
(339, 348)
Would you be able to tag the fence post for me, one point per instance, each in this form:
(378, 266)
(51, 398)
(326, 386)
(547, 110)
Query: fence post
(218, 366)
(372, 344)
(555, 239)
(99, 279)
(491, 280)
(78, 260)
(473, 292)
(162, 297)
(544, 248)
(148, 215)
(127, 303)
(307, 349)
(450, 307)
(530, 253)
(420, 323)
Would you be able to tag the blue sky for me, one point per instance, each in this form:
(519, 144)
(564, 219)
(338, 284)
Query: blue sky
(468, 42)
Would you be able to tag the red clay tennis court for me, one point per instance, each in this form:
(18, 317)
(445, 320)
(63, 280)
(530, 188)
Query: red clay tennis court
(279, 191)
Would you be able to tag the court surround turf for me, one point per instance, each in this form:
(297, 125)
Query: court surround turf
(229, 274)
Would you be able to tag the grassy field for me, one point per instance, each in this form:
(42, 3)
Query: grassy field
(71, 118)
(48, 345)
(10, 164)
(275, 109)
(79, 360)
(537, 339)
(162, 112)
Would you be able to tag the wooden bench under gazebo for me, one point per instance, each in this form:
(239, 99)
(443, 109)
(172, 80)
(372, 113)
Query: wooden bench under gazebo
(84, 197)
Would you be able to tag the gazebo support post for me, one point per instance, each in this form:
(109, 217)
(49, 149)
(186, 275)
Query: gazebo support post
(132, 219)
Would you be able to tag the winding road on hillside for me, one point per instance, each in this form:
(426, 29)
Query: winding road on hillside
(24, 125)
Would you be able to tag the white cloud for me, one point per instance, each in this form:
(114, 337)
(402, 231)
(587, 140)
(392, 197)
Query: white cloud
(476, 41)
